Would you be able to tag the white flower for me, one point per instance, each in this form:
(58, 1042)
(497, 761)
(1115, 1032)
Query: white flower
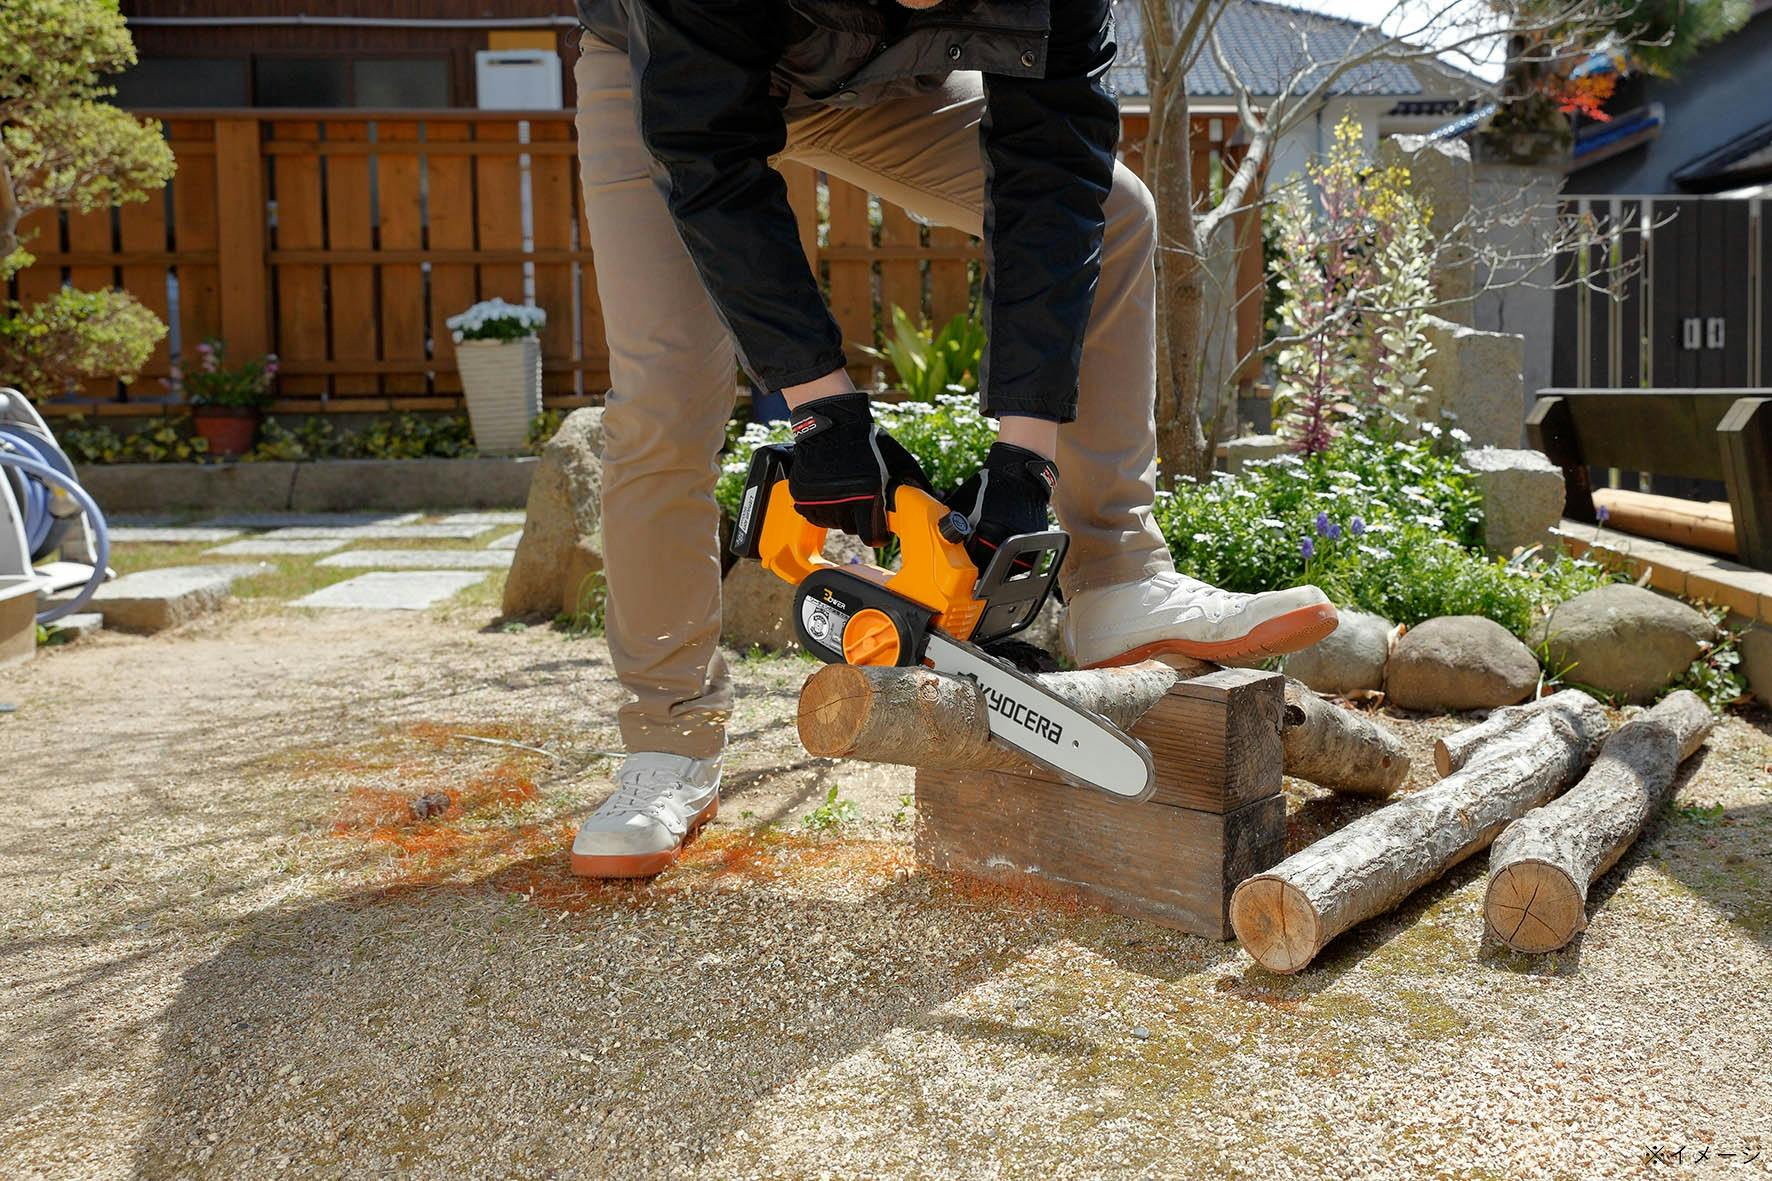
(468, 325)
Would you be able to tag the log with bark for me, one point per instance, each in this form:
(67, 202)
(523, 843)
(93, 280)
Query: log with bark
(920, 718)
(1452, 751)
(1285, 916)
(1542, 865)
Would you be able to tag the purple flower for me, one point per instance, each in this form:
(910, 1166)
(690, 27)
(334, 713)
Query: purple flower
(206, 348)
(1357, 527)
(1323, 524)
(1308, 548)
(1602, 514)
(1334, 533)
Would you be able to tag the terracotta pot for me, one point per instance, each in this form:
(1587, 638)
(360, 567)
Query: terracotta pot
(229, 430)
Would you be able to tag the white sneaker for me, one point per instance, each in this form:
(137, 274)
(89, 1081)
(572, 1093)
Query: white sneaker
(660, 803)
(1172, 613)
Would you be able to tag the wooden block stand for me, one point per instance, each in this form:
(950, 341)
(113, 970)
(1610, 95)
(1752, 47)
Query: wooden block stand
(1217, 816)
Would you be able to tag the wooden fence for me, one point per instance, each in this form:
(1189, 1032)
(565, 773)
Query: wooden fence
(342, 240)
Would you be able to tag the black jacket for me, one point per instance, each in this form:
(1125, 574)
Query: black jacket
(715, 81)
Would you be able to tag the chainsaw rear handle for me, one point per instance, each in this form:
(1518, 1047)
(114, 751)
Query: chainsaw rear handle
(935, 571)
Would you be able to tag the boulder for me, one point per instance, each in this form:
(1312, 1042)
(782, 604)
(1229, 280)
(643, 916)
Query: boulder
(562, 542)
(1440, 176)
(1350, 660)
(1756, 662)
(756, 607)
(1459, 662)
(1522, 496)
(1623, 639)
(1477, 376)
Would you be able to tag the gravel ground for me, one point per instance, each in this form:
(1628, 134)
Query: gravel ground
(227, 950)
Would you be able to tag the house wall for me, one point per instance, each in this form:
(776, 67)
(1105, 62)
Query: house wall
(1722, 94)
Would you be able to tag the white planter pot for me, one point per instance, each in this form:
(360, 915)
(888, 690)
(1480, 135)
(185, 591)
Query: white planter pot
(502, 382)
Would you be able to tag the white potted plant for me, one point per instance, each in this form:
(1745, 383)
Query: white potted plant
(498, 355)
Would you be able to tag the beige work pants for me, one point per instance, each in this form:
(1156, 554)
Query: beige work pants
(672, 367)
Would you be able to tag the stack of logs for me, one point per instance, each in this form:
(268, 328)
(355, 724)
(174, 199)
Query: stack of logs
(1217, 817)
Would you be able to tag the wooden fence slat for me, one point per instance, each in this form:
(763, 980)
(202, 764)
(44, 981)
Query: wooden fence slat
(400, 226)
(499, 218)
(551, 210)
(41, 233)
(301, 287)
(142, 228)
(91, 232)
(901, 279)
(194, 212)
(449, 195)
(950, 282)
(350, 286)
(240, 236)
(852, 281)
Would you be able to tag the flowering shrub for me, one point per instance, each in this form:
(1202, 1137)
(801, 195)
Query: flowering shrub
(1355, 279)
(494, 319)
(213, 383)
(1389, 527)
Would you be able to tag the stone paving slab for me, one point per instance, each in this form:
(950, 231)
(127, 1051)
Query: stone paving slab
(308, 520)
(154, 600)
(259, 547)
(382, 532)
(169, 534)
(77, 626)
(508, 541)
(392, 590)
(421, 559)
(510, 517)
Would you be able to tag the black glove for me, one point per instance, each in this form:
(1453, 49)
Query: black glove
(845, 468)
(1008, 496)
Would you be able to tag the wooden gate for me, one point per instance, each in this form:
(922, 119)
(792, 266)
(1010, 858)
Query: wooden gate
(1683, 300)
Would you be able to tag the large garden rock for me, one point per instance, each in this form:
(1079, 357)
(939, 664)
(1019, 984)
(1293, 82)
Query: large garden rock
(1623, 639)
(562, 542)
(1522, 496)
(1440, 177)
(756, 607)
(1756, 662)
(1477, 376)
(1350, 660)
(1241, 452)
(1459, 662)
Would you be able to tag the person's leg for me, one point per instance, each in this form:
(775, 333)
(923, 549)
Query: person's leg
(672, 370)
(1124, 601)
(923, 154)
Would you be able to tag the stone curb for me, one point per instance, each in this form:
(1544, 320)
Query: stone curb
(321, 485)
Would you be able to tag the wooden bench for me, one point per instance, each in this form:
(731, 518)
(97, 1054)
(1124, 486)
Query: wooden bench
(1217, 816)
(1708, 434)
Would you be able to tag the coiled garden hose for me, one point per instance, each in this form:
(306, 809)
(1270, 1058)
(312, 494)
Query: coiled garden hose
(40, 477)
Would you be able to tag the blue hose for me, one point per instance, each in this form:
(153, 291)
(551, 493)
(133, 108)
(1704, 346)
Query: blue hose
(18, 453)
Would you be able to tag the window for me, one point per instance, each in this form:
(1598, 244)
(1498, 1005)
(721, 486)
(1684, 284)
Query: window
(400, 82)
(300, 82)
(183, 82)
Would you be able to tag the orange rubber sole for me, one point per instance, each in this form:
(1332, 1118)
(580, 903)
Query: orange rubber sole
(642, 865)
(1282, 634)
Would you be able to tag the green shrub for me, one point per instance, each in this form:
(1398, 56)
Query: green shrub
(405, 436)
(213, 382)
(1381, 524)
(164, 440)
(928, 364)
(74, 336)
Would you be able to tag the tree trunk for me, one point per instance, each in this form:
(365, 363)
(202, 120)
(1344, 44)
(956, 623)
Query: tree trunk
(1285, 916)
(1542, 865)
(1453, 751)
(10, 214)
(1181, 445)
(919, 718)
(1338, 748)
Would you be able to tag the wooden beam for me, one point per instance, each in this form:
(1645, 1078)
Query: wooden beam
(1745, 437)
(1550, 428)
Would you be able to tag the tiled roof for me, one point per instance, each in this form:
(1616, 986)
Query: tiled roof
(1266, 43)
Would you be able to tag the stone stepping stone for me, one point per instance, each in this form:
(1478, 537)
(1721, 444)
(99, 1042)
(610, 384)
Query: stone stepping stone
(308, 520)
(510, 517)
(77, 626)
(392, 590)
(508, 541)
(154, 600)
(381, 532)
(169, 534)
(421, 559)
(276, 547)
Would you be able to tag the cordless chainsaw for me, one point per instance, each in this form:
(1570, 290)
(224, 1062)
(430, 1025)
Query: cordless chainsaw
(937, 610)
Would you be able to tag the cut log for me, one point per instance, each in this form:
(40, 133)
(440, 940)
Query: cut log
(1285, 916)
(1542, 865)
(1338, 748)
(1707, 525)
(917, 717)
(1453, 751)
